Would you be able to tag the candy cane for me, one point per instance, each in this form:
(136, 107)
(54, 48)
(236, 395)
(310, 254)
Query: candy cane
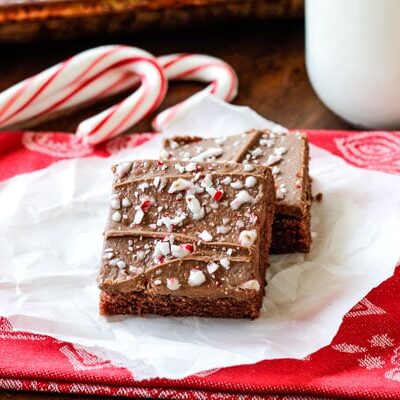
(198, 67)
(90, 75)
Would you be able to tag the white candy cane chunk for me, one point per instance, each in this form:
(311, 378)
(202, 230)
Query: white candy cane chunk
(90, 75)
(196, 67)
(247, 238)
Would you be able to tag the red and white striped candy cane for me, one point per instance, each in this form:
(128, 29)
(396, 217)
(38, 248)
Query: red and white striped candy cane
(197, 67)
(90, 75)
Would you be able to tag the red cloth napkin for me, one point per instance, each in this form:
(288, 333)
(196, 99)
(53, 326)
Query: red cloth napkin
(363, 360)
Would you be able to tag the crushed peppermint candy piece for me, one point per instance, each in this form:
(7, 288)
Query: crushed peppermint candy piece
(279, 151)
(240, 223)
(182, 250)
(206, 236)
(267, 142)
(283, 188)
(225, 262)
(212, 267)
(281, 192)
(156, 181)
(165, 154)
(221, 140)
(188, 246)
(207, 182)
(196, 177)
(275, 170)
(163, 183)
(196, 277)
(139, 215)
(253, 218)
(162, 248)
(136, 270)
(241, 198)
(247, 238)
(179, 185)
(108, 255)
(173, 284)
(229, 252)
(221, 229)
(121, 264)
(143, 186)
(145, 204)
(248, 167)
(194, 206)
(180, 168)
(210, 153)
(140, 255)
(116, 216)
(227, 180)
(237, 185)
(250, 182)
(273, 159)
(170, 222)
(217, 196)
(173, 144)
(191, 167)
(123, 169)
(257, 152)
(115, 203)
(211, 191)
(126, 202)
(252, 284)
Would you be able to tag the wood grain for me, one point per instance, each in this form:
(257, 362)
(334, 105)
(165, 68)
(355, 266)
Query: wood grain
(269, 60)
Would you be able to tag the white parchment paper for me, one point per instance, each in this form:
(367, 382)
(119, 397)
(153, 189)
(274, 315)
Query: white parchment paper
(51, 224)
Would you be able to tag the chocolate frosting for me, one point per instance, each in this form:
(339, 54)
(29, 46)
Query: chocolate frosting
(285, 153)
(186, 228)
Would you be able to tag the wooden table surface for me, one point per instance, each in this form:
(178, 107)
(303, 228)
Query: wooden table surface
(268, 58)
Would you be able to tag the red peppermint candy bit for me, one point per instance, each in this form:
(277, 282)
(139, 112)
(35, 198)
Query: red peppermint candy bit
(218, 195)
(253, 218)
(160, 162)
(161, 259)
(187, 246)
(145, 205)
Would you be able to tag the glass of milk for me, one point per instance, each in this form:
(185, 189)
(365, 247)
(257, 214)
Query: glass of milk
(353, 59)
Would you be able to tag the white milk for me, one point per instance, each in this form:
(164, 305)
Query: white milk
(353, 58)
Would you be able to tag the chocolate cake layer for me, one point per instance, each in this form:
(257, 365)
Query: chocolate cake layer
(287, 156)
(180, 236)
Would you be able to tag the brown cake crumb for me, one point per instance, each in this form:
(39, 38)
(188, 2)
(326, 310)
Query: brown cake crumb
(318, 197)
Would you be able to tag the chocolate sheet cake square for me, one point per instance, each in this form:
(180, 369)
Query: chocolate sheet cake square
(287, 156)
(187, 239)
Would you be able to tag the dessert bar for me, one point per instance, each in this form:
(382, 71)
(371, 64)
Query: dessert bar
(187, 239)
(287, 156)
